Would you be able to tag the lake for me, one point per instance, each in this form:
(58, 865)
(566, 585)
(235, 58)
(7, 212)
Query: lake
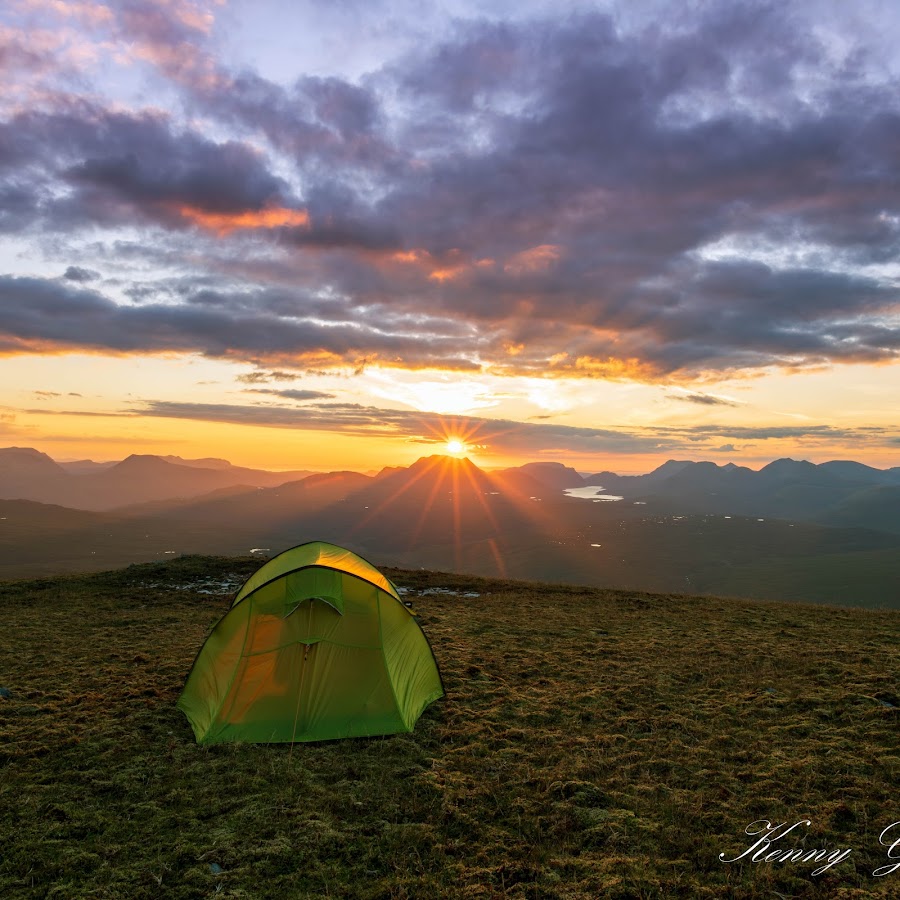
(592, 492)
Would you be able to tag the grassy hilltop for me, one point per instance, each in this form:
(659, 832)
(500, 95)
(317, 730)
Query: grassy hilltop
(592, 744)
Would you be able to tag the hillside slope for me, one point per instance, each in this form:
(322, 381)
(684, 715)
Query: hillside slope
(591, 744)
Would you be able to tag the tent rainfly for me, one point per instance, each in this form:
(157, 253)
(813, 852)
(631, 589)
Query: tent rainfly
(317, 645)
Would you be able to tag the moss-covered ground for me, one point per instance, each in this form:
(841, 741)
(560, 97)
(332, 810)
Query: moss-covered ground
(591, 744)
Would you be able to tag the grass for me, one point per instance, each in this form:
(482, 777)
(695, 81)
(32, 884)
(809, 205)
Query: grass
(591, 744)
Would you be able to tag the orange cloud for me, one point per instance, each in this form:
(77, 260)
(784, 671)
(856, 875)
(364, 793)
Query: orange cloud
(225, 223)
(615, 369)
(535, 259)
(457, 270)
(565, 365)
(409, 256)
(449, 270)
(447, 274)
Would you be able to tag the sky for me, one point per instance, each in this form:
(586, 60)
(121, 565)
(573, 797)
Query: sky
(340, 234)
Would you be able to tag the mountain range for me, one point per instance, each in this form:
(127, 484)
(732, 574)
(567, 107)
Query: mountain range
(837, 492)
(792, 530)
(27, 474)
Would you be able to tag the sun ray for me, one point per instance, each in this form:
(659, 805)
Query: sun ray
(457, 535)
(498, 557)
(393, 497)
(484, 505)
(426, 508)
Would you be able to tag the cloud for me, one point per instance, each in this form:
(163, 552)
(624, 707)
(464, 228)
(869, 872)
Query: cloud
(41, 315)
(76, 273)
(267, 217)
(85, 413)
(352, 418)
(496, 435)
(16, 56)
(113, 167)
(546, 196)
(701, 398)
(781, 432)
(170, 34)
(263, 377)
(292, 394)
(179, 178)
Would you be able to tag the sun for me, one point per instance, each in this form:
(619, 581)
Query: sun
(455, 447)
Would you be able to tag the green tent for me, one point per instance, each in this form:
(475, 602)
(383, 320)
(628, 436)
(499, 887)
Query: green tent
(317, 645)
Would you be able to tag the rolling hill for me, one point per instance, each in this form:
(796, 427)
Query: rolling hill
(444, 513)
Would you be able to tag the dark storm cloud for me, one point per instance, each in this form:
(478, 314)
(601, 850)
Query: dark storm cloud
(754, 314)
(552, 186)
(118, 167)
(43, 314)
(456, 74)
(326, 231)
(615, 166)
(218, 178)
(660, 190)
(153, 170)
(77, 273)
(19, 205)
(327, 126)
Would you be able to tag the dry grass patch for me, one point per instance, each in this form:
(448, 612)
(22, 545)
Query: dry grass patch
(591, 744)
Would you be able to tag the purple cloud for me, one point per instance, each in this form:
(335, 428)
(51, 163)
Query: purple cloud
(558, 196)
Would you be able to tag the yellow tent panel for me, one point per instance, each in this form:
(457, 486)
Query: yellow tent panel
(317, 645)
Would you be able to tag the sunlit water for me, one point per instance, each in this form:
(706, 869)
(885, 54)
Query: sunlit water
(592, 492)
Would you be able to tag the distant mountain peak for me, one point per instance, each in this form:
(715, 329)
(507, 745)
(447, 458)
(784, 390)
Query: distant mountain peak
(440, 459)
(785, 462)
(24, 453)
(671, 466)
(142, 460)
(787, 467)
(548, 474)
(28, 457)
(849, 466)
(207, 462)
(428, 469)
